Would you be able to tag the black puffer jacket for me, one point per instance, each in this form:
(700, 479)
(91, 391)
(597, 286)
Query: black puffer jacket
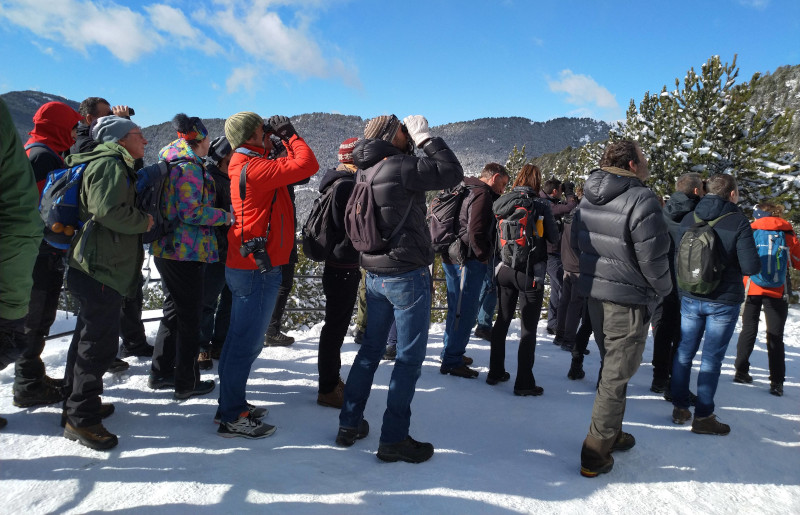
(222, 184)
(623, 240)
(402, 179)
(739, 248)
(343, 254)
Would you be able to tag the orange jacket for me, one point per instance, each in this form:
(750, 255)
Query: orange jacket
(267, 178)
(773, 223)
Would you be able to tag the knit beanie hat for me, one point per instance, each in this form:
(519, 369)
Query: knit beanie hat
(111, 128)
(239, 127)
(346, 151)
(218, 149)
(382, 127)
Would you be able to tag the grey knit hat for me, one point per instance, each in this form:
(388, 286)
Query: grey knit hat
(382, 127)
(239, 127)
(111, 128)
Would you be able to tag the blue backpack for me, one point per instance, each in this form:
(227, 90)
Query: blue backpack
(774, 256)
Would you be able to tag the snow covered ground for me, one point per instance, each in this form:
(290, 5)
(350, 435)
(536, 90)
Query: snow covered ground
(495, 453)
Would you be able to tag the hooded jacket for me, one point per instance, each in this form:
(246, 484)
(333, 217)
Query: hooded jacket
(52, 126)
(622, 238)
(678, 205)
(109, 249)
(266, 179)
(189, 196)
(343, 253)
(774, 223)
(402, 179)
(739, 253)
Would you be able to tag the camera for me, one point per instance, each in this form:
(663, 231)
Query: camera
(131, 112)
(256, 247)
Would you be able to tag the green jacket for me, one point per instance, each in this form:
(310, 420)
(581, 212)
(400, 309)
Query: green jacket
(109, 246)
(20, 224)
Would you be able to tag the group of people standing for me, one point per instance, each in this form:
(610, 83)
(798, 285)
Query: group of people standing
(228, 250)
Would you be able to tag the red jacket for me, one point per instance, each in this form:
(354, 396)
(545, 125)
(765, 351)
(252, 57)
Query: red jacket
(267, 178)
(773, 223)
(52, 126)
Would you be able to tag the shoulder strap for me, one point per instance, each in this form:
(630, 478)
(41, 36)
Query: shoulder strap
(39, 144)
(713, 222)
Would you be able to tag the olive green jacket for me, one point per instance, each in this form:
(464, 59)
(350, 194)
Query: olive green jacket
(109, 246)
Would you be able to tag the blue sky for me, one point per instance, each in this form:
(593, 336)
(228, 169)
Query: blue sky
(448, 60)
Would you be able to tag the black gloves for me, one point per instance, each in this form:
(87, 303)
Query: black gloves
(569, 188)
(282, 127)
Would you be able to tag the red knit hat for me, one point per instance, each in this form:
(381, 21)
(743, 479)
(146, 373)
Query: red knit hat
(346, 151)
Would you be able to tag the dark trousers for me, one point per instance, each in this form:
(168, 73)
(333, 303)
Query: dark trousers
(12, 340)
(93, 347)
(216, 307)
(131, 328)
(775, 311)
(555, 271)
(178, 338)
(287, 279)
(513, 286)
(48, 277)
(666, 323)
(340, 286)
(570, 309)
(583, 334)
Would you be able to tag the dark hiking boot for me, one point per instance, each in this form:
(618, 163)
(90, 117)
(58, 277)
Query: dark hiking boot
(136, 350)
(681, 415)
(347, 436)
(467, 360)
(408, 450)
(3, 422)
(55, 383)
(659, 385)
(483, 333)
(493, 380)
(106, 410)
(623, 442)
(278, 340)
(596, 457)
(709, 426)
(160, 383)
(568, 347)
(576, 371)
(742, 378)
(95, 437)
(118, 365)
(334, 398)
(358, 337)
(776, 389)
(529, 392)
(462, 371)
(200, 388)
(204, 361)
(41, 396)
(390, 354)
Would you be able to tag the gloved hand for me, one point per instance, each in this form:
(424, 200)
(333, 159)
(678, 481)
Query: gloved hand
(282, 127)
(417, 127)
(569, 188)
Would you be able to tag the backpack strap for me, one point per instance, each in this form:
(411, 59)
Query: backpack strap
(711, 223)
(49, 150)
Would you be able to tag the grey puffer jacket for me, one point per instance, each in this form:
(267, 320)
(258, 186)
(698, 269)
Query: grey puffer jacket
(623, 240)
(402, 179)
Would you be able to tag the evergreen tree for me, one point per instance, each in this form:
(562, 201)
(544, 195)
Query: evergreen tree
(516, 160)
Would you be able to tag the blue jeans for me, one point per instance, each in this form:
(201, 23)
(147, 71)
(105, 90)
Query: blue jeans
(488, 300)
(407, 297)
(717, 321)
(254, 297)
(459, 324)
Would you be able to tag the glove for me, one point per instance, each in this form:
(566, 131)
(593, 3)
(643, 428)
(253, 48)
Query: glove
(282, 127)
(569, 188)
(417, 127)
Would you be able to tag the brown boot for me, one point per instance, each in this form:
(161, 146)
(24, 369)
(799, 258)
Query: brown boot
(596, 456)
(95, 437)
(333, 399)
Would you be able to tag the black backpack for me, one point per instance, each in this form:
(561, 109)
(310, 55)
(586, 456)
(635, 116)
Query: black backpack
(150, 183)
(520, 244)
(443, 217)
(698, 260)
(319, 232)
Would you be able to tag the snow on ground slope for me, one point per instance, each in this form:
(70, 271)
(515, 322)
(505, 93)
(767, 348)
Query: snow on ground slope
(495, 453)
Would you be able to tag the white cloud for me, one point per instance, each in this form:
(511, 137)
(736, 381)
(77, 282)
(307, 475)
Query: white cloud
(174, 24)
(583, 90)
(242, 78)
(755, 4)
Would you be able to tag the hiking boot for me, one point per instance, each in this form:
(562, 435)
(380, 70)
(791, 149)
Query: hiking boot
(462, 371)
(551, 332)
(160, 383)
(681, 415)
(467, 360)
(204, 361)
(200, 388)
(137, 350)
(95, 437)
(55, 383)
(3, 422)
(358, 337)
(709, 426)
(742, 378)
(334, 398)
(624, 442)
(118, 365)
(776, 389)
(106, 409)
(41, 396)
(278, 340)
(576, 371)
(493, 380)
(569, 347)
(529, 392)
(596, 457)
(347, 436)
(390, 354)
(408, 450)
(659, 385)
(255, 412)
(483, 333)
(247, 426)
